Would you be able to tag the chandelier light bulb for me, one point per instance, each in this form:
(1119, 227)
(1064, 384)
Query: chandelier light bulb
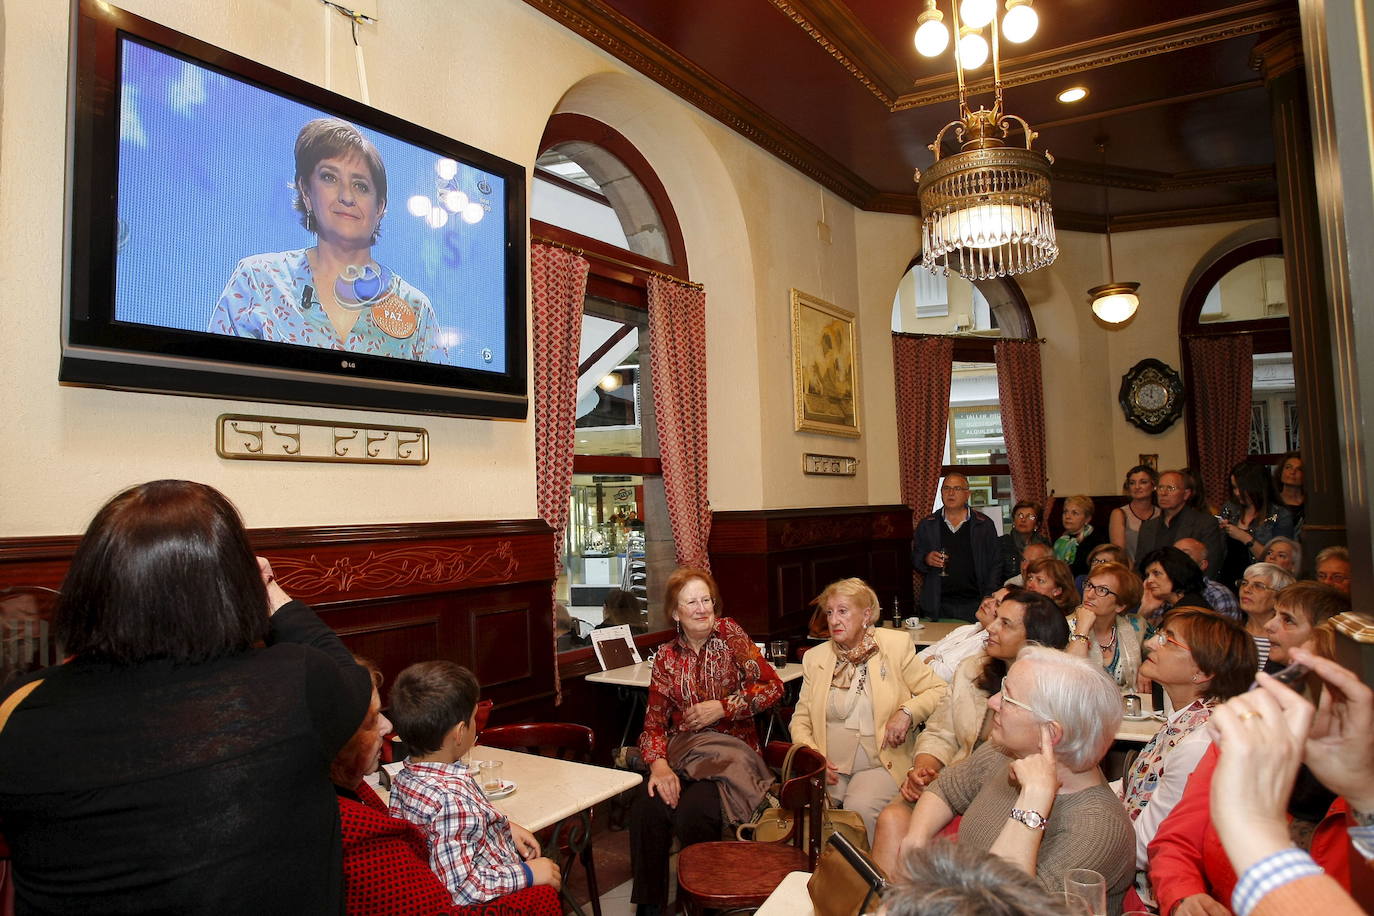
(437, 218)
(455, 201)
(446, 169)
(973, 49)
(977, 13)
(473, 213)
(1020, 22)
(932, 37)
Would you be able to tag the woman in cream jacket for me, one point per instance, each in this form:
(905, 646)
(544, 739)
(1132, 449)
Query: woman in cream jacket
(863, 693)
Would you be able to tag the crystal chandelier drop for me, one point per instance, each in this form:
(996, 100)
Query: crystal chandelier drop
(985, 209)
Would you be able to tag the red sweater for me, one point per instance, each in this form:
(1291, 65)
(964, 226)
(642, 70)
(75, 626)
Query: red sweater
(386, 870)
(1187, 858)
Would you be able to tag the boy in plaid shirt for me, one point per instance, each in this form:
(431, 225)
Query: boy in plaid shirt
(477, 852)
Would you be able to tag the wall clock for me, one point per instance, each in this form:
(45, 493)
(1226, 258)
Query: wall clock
(1151, 395)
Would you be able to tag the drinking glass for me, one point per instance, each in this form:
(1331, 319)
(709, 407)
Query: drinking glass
(1076, 905)
(491, 775)
(777, 653)
(1088, 884)
(944, 558)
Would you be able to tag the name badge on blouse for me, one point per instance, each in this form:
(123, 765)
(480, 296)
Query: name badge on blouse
(394, 317)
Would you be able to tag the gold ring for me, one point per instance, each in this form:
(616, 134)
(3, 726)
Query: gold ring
(1247, 715)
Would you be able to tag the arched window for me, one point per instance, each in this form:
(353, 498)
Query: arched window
(1242, 292)
(976, 315)
(593, 191)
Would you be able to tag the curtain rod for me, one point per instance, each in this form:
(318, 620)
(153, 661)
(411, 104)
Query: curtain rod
(616, 261)
(916, 336)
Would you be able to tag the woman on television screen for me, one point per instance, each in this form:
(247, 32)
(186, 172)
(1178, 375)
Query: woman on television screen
(333, 295)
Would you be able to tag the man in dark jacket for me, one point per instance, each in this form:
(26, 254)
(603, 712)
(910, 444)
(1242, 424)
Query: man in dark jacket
(963, 543)
(1178, 521)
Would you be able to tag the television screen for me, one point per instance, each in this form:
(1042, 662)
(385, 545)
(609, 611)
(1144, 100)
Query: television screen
(238, 232)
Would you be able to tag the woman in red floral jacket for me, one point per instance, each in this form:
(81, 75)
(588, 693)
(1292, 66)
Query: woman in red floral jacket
(386, 859)
(712, 678)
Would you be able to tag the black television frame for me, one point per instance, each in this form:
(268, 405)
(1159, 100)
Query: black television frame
(99, 351)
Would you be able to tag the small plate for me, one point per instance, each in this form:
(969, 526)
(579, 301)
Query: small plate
(1143, 717)
(919, 626)
(507, 788)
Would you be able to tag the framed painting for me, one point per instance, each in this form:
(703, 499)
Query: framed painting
(825, 367)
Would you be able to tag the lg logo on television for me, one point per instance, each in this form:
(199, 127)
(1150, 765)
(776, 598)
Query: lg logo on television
(347, 365)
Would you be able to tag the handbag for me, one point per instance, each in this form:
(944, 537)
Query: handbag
(772, 823)
(846, 881)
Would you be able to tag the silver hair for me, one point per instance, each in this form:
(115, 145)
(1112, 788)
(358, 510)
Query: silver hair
(1334, 552)
(1292, 545)
(945, 879)
(1275, 576)
(1081, 697)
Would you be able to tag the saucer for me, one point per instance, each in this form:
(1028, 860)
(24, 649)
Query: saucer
(1143, 717)
(507, 788)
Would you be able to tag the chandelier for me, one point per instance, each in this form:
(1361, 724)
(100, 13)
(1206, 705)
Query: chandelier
(985, 209)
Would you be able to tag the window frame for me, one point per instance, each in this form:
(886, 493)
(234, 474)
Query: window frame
(621, 276)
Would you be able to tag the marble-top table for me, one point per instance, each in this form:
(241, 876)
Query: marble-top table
(1141, 731)
(547, 789)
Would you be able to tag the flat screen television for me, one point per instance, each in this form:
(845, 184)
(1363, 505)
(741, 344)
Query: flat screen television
(237, 232)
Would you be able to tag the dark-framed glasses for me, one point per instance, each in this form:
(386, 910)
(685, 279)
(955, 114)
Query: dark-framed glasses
(1101, 591)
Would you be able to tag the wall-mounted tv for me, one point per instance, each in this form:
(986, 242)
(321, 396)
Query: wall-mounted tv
(237, 232)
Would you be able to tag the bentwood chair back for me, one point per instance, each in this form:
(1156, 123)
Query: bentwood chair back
(566, 741)
(736, 874)
(26, 635)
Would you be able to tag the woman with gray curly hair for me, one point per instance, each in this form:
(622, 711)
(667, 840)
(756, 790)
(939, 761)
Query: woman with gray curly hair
(1258, 591)
(1033, 793)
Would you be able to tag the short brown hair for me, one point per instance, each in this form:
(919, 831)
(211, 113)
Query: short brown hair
(1220, 648)
(1317, 603)
(678, 581)
(1063, 577)
(1128, 586)
(429, 699)
(329, 138)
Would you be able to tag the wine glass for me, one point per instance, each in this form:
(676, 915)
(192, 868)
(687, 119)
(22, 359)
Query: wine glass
(1090, 885)
(1075, 905)
(944, 559)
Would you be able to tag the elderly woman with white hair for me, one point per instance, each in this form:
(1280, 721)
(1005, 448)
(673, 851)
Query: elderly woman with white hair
(1258, 590)
(1033, 793)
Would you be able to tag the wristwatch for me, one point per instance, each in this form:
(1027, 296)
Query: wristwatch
(1032, 819)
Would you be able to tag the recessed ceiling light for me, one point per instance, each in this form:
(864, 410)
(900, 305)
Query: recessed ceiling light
(1073, 94)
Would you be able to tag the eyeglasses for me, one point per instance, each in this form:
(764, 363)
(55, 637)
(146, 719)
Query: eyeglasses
(1025, 516)
(1254, 583)
(1168, 488)
(954, 489)
(1102, 561)
(1332, 578)
(708, 601)
(1007, 698)
(1166, 640)
(1100, 591)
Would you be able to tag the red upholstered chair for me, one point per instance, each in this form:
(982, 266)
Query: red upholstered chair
(566, 741)
(737, 875)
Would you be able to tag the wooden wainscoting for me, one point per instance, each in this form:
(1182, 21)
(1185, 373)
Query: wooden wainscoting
(771, 563)
(479, 593)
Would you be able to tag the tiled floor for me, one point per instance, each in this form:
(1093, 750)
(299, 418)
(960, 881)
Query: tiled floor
(616, 902)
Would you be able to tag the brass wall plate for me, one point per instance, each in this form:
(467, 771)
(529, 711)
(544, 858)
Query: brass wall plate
(829, 465)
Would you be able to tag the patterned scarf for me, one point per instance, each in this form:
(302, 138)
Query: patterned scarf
(1140, 783)
(847, 661)
(1066, 548)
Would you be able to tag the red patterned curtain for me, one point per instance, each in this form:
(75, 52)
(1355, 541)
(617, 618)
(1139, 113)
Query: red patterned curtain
(1023, 417)
(558, 287)
(921, 368)
(677, 348)
(1223, 368)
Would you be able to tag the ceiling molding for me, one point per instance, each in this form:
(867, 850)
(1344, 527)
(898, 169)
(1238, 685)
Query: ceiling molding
(623, 39)
(1074, 221)
(1091, 173)
(1177, 35)
(893, 202)
(834, 27)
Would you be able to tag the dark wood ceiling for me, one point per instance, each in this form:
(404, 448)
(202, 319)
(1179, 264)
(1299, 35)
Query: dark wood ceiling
(837, 90)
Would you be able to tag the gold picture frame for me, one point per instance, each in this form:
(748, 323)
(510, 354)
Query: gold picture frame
(825, 367)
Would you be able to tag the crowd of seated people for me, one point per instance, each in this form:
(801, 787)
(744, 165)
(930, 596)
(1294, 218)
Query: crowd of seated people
(976, 765)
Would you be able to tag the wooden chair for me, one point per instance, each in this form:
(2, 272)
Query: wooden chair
(737, 875)
(393, 748)
(26, 638)
(566, 741)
